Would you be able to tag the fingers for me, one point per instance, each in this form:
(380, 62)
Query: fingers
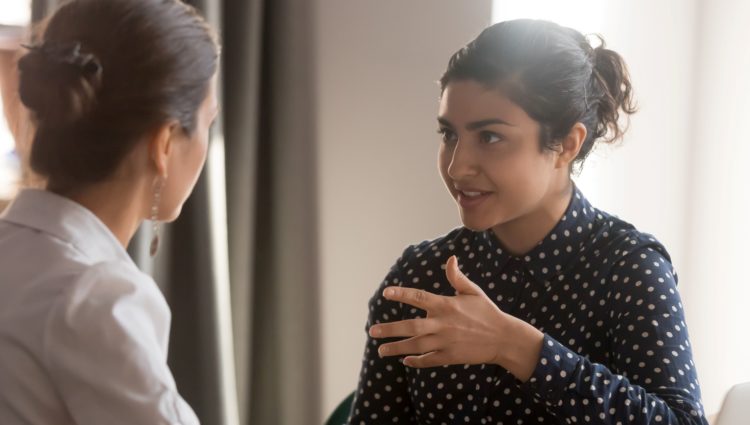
(431, 359)
(414, 345)
(415, 297)
(458, 280)
(404, 328)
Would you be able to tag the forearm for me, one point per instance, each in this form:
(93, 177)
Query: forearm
(573, 386)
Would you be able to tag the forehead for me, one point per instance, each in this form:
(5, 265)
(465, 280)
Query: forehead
(466, 100)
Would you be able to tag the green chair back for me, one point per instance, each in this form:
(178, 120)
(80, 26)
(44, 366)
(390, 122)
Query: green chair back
(341, 414)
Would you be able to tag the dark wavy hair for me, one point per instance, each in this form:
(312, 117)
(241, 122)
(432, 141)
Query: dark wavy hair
(554, 74)
(104, 74)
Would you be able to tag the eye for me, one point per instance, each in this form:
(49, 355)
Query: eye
(490, 137)
(449, 136)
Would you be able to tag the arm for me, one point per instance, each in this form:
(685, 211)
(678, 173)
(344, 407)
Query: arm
(382, 394)
(105, 349)
(651, 378)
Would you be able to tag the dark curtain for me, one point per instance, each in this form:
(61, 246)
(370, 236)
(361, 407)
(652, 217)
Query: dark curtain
(254, 359)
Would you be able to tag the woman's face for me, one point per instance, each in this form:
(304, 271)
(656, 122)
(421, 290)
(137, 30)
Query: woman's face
(490, 158)
(187, 160)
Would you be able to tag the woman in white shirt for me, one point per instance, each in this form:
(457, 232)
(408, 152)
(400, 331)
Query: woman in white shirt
(123, 95)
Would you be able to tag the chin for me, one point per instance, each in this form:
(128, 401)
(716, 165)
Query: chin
(475, 225)
(480, 224)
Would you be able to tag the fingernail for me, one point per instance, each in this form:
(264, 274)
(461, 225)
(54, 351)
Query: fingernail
(374, 331)
(383, 350)
(389, 292)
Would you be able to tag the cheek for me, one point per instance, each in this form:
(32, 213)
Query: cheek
(443, 160)
(194, 154)
(506, 166)
(186, 170)
(533, 177)
(520, 176)
(199, 156)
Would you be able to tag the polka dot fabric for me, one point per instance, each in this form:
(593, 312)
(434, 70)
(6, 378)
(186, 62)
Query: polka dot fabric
(616, 348)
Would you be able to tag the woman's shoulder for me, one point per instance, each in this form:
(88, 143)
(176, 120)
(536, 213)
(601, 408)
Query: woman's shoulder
(101, 290)
(617, 239)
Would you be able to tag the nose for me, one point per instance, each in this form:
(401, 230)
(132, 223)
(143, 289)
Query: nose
(463, 161)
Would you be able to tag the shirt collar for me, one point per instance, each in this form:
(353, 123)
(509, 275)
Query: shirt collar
(561, 245)
(66, 220)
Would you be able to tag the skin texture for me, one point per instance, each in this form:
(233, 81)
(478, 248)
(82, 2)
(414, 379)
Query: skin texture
(168, 157)
(493, 166)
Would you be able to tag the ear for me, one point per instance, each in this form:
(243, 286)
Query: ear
(160, 147)
(570, 145)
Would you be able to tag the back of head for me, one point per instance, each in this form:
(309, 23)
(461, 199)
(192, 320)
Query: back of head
(554, 74)
(104, 75)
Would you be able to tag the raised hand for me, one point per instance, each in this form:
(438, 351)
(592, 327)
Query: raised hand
(467, 328)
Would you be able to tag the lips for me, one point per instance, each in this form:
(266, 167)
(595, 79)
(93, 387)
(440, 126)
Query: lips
(471, 194)
(469, 198)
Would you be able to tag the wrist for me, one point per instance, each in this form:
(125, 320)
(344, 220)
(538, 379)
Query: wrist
(519, 348)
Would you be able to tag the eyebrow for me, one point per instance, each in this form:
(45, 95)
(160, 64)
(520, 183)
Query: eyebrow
(477, 124)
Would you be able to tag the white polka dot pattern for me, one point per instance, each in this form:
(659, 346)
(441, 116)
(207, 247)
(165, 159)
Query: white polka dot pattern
(616, 348)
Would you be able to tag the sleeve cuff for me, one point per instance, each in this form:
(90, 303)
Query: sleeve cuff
(555, 371)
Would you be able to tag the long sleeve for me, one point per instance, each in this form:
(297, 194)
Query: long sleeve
(106, 350)
(382, 394)
(651, 378)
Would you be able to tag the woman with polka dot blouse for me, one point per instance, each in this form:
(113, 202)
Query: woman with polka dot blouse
(542, 308)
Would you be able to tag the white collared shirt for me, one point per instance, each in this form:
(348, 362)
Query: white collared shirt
(83, 332)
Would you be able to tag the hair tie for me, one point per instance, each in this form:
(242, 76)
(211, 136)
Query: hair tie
(68, 54)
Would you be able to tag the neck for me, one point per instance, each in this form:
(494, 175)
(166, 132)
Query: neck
(522, 234)
(116, 203)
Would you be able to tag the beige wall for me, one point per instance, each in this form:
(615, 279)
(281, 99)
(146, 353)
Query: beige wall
(379, 187)
(719, 200)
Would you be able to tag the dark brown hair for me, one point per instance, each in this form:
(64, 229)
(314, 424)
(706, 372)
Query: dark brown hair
(554, 74)
(105, 74)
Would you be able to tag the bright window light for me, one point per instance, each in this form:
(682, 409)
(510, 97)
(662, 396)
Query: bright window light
(6, 141)
(9, 163)
(15, 12)
(222, 291)
(586, 16)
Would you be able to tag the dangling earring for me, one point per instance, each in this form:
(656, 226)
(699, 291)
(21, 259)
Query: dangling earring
(158, 184)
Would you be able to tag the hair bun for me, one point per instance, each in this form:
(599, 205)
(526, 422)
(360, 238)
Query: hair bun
(59, 82)
(612, 76)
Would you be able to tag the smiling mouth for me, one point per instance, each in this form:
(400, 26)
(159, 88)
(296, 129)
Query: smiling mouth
(470, 198)
(471, 194)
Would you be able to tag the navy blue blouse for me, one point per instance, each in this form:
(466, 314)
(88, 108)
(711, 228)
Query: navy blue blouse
(615, 350)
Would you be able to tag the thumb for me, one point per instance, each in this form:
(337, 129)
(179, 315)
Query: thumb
(458, 280)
